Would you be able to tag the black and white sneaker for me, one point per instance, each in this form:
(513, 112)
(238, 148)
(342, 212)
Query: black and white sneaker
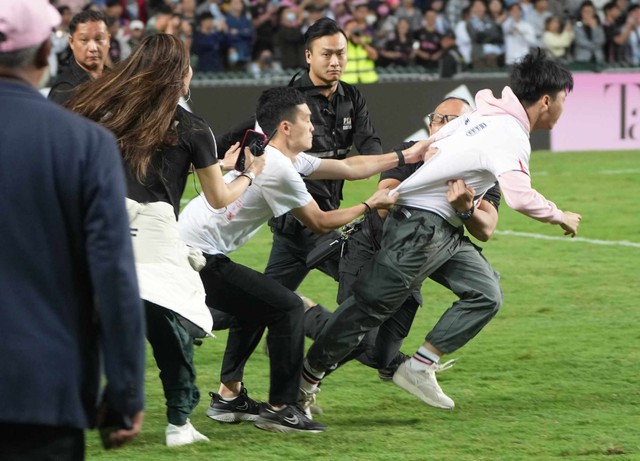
(242, 408)
(287, 419)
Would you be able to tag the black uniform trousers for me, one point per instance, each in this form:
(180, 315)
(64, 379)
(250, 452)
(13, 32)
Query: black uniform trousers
(257, 302)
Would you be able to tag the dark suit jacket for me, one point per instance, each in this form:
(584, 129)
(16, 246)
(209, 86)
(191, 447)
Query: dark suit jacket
(70, 310)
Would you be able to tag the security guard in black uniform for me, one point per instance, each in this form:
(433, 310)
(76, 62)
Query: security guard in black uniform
(341, 120)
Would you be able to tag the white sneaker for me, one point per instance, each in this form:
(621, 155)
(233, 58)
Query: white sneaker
(183, 435)
(423, 383)
(307, 402)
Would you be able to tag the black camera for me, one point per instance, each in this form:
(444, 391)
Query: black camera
(256, 142)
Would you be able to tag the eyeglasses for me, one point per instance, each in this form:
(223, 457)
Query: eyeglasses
(440, 119)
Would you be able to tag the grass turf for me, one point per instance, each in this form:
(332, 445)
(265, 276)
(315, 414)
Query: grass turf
(554, 376)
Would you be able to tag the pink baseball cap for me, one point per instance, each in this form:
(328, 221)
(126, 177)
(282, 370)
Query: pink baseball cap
(25, 23)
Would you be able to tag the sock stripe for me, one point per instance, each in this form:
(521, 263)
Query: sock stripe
(422, 359)
(308, 377)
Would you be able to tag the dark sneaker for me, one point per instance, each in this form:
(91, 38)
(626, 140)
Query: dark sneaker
(386, 374)
(288, 419)
(242, 408)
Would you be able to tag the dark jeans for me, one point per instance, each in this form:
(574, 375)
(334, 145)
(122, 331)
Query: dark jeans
(257, 302)
(27, 442)
(173, 350)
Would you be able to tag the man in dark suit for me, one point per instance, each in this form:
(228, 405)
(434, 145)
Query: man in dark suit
(70, 312)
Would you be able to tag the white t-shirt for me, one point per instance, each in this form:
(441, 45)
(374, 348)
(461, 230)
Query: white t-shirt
(277, 190)
(476, 148)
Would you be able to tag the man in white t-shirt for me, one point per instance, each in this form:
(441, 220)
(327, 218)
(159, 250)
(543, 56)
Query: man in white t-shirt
(257, 301)
(423, 234)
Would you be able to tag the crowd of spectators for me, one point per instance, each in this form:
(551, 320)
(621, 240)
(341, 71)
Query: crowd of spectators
(446, 36)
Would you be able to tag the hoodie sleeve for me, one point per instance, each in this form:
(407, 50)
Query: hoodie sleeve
(519, 195)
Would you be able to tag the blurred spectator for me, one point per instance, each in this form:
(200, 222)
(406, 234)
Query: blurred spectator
(113, 9)
(409, 11)
(263, 19)
(429, 49)
(385, 27)
(519, 35)
(209, 43)
(135, 9)
(89, 41)
(633, 13)
(136, 32)
(538, 16)
(211, 6)
(159, 22)
(265, 65)
(180, 29)
(442, 23)
(487, 42)
(454, 10)
(399, 51)
(361, 56)
(289, 40)
(340, 11)
(364, 17)
(452, 61)
(558, 38)
(463, 39)
(116, 42)
(497, 11)
(60, 49)
(187, 9)
(239, 33)
(616, 46)
(589, 36)
(312, 13)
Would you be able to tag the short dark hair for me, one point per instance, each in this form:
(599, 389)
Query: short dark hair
(536, 75)
(321, 28)
(84, 17)
(278, 104)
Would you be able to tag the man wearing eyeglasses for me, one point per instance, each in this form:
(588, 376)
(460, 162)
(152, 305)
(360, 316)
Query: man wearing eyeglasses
(380, 348)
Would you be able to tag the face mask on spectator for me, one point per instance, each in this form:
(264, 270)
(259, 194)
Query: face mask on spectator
(290, 16)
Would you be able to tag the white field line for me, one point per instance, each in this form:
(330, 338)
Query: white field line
(624, 243)
(605, 172)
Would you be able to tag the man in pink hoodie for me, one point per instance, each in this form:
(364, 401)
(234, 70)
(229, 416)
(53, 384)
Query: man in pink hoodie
(424, 234)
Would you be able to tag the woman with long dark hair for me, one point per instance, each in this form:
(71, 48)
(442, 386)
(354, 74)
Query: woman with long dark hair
(159, 141)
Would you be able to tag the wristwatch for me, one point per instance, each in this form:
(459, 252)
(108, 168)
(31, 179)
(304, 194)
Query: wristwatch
(464, 215)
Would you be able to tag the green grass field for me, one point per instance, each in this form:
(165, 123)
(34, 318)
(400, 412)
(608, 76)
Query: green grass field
(556, 375)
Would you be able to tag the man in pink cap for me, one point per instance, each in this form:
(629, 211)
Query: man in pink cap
(70, 313)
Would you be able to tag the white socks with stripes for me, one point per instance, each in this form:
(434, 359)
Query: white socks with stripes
(423, 359)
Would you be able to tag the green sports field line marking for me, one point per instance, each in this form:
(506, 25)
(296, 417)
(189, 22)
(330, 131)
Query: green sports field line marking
(625, 243)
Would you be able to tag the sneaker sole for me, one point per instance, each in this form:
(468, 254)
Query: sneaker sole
(274, 427)
(230, 418)
(401, 382)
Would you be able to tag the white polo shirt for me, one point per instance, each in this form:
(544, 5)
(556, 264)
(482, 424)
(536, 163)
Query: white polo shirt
(476, 148)
(277, 190)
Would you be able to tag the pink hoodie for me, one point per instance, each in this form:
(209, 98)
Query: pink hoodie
(516, 186)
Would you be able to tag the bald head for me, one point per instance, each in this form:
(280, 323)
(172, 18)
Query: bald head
(447, 110)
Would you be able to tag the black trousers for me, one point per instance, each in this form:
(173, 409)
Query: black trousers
(27, 442)
(257, 302)
(288, 258)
